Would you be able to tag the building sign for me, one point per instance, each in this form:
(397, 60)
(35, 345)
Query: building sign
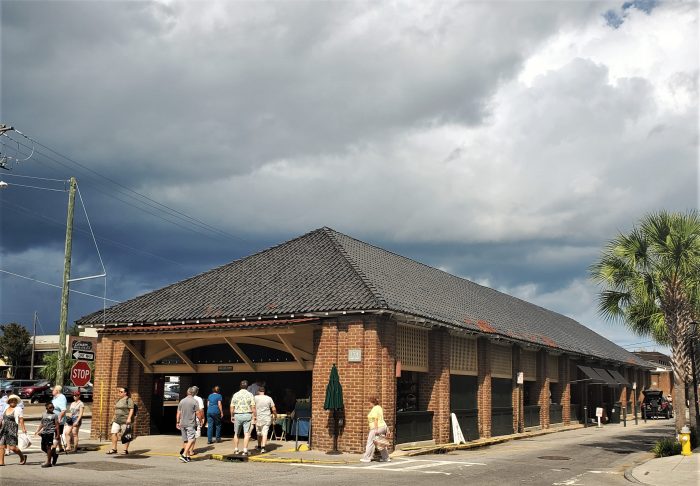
(521, 377)
(224, 368)
(354, 355)
(82, 348)
(599, 412)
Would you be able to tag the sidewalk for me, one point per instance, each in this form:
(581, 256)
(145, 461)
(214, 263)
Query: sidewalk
(669, 470)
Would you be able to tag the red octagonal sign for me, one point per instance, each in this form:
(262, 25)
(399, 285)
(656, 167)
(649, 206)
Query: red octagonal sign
(80, 373)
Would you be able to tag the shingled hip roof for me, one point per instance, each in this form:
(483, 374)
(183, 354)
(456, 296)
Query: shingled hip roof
(325, 271)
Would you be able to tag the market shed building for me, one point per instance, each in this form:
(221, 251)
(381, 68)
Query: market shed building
(425, 342)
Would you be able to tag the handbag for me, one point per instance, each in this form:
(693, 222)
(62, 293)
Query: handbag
(382, 441)
(23, 441)
(128, 434)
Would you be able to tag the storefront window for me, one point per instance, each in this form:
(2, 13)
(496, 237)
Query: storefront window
(407, 392)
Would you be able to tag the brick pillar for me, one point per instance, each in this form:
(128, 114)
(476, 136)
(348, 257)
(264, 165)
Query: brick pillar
(484, 387)
(115, 367)
(374, 375)
(518, 417)
(435, 385)
(543, 388)
(565, 384)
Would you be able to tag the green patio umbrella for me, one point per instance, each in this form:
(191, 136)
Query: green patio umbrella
(334, 402)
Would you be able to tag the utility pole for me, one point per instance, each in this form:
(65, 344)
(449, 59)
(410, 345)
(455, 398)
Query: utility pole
(31, 369)
(66, 283)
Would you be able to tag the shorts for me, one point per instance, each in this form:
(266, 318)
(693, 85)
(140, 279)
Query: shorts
(48, 441)
(188, 433)
(118, 429)
(242, 420)
(262, 429)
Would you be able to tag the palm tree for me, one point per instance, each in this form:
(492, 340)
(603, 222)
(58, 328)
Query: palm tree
(650, 280)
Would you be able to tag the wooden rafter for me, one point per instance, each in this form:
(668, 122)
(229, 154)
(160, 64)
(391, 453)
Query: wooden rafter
(138, 356)
(174, 334)
(240, 353)
(292, 350)
(181, 354)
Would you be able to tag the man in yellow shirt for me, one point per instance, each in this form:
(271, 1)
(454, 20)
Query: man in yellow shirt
(377, 427)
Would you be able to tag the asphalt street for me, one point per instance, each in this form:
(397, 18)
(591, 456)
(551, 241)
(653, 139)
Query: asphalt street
(574, 458)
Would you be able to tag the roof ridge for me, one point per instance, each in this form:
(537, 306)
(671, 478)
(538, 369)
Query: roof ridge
(381, 301)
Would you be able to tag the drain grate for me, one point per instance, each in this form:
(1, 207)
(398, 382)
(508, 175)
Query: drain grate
(554, 458)
(105, 466)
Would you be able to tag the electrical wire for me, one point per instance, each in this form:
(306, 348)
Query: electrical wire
(35, 187)
(92, 233)
(32, 177)
(191, 219)
(124, 246)
(56, 286)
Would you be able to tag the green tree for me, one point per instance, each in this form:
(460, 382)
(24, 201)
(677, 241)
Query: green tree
(14, 345)
(50, 369)
(650, 281)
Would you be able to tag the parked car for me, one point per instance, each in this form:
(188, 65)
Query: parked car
(85, 392)
(14, 386)
(34, 391)
(655, 404)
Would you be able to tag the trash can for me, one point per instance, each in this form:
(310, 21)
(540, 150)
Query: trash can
(616, 413)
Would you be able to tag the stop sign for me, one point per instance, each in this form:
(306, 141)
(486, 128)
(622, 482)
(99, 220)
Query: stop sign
(80, 373)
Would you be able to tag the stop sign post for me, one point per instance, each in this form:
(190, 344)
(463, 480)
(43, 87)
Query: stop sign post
(80, 373)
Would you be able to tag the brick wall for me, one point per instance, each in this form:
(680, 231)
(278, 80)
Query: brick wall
(435, 385)
(565, 388)
(518, 417)
(115, 367)
(542, 387)
(484, 387)
(374, 375)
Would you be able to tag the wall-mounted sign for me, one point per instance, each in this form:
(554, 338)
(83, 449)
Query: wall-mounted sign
(521, 377)
(354, 355)
(599, 412)
(224, 368)
(634, 385)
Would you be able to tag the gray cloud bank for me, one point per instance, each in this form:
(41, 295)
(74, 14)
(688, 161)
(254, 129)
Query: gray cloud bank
(500, 141)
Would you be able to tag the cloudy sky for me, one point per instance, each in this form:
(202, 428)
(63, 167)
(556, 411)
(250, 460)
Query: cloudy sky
(504, 142)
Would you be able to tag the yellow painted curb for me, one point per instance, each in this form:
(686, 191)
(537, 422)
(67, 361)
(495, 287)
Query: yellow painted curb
(279, 460)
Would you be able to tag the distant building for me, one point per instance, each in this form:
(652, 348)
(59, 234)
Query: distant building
(662, 376)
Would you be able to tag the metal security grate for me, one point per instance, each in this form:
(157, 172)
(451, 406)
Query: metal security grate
(501, 361)
(463, 356)
(528, 364)
(412, 348)
(553, 368)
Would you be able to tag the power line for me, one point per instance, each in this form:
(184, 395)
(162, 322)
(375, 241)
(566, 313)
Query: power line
(57, 286)
(99, 255)
(156, 204)
(101, 238)
(34, 187)
(32, 177)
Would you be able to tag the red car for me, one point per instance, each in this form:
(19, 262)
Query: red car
(34, 392)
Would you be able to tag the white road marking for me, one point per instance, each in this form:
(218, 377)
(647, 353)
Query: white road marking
(574, 481)
(402, 465)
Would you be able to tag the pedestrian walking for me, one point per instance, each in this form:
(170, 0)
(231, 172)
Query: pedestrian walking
(188, 412)
(265, 416)
(12, 421)
(215, 413)
(377, 427)
(73, 421)
(48, 429)
(60, 405)
(123, 416)
(200, 421)
(242, 415)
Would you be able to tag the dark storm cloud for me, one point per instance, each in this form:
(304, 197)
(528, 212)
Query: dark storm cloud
(494, 140)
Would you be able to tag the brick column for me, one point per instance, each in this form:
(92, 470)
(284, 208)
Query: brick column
(543, 388)
(565, 384)
(116, 367)
(435, 385)
(484, 387)
(518, 418)
(374, 375)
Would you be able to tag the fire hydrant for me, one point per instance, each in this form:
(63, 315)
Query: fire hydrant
(684, 439)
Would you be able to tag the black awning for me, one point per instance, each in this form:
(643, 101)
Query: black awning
(592, 376)
(621, 380)
(607, 378)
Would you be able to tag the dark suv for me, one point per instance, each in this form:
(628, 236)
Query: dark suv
(34, 391)
(655, 404)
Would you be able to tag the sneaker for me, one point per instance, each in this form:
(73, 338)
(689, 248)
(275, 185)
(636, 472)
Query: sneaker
(210, 442)
(365, 460)
(183, 458)
(385, 460)
(236, 451)
(46, 464)
(262, 450)
(188, 458)
(245, 452)
(218, 441)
